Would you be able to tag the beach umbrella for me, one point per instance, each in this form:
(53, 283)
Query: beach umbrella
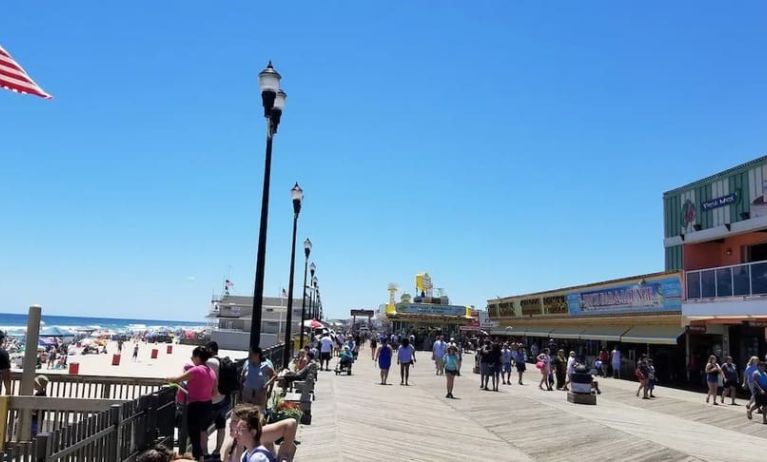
(313, 324)
(55, 331)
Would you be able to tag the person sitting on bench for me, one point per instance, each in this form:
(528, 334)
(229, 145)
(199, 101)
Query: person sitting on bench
(287, 377)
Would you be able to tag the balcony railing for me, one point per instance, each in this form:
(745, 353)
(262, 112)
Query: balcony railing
(727, 281)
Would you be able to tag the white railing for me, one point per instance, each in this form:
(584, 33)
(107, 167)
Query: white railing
(742, 280)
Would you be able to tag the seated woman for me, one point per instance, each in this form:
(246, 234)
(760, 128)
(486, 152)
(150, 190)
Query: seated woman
(308, 372)
(346, 357)
(283, 432)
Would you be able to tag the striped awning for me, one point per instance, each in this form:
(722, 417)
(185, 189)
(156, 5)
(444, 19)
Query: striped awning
(655, 335)
(567, 332)
(538, 331)
(605, 333)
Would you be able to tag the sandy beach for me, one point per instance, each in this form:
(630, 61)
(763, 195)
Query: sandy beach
(163, 366)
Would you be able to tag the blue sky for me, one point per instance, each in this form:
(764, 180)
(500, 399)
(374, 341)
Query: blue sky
(505, 147)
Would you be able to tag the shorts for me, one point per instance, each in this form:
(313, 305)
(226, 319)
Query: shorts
(452, 372)
(405, 364)
(485, 368)
(439, 363)
(761, 400)
(521, 367)
(506, 367)
(325, 356)
(199, 417)
(219, 413)
(730, 383)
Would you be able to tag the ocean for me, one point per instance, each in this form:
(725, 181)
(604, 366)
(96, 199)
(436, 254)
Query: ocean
(11, 322)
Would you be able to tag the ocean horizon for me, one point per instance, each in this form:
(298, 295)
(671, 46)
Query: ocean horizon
(18, 322)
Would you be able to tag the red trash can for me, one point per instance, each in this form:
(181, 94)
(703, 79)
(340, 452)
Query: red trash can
(169, 349)
(115, 360)
(74, 368)
(154, 353)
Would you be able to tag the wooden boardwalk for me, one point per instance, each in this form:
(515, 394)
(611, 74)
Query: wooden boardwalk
(357, 419)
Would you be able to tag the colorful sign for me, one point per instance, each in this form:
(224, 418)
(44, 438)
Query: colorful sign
(689, 216)
(431, 310)
(719, 202)
(645, 296)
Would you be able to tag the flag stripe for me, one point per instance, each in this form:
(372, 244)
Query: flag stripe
(14, 78)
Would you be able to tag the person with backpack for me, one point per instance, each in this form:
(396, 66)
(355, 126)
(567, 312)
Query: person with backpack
(223, 368)
(257, 378)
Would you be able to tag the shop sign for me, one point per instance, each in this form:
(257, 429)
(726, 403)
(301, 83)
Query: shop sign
(641, 297)
(696, 329)
(432, 310)
(530, 306)
(719, 202)
(757, 323)
(556, 304)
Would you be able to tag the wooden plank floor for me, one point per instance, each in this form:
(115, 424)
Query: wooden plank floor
(354, 419)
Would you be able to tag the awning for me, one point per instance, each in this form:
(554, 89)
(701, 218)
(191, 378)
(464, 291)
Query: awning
(604, 333)
(507, 332)
(656, 335)
(566, 332)
(538, 331)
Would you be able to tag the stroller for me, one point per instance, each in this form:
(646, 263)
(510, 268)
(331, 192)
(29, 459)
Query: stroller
(345, 361)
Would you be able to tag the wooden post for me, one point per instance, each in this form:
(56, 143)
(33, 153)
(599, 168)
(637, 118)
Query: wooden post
(116, 418)
(3, 421)
(41, 448)
(30, 367)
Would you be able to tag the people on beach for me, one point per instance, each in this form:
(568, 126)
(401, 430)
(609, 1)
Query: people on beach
(258, 377)
(439, 349)
(201, 387)
(383, 356)
(135, 352)
(730, 372)
(713, 373)
(544, 365)
(405, 358)
(452, 363)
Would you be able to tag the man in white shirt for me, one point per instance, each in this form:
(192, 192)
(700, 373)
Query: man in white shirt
(438, 352)
(326, 351)
(220, 402)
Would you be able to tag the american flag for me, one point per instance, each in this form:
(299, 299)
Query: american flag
(284, 293)
(14, 78)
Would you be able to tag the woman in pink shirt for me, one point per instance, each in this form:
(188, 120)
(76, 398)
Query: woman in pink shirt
(201, 385)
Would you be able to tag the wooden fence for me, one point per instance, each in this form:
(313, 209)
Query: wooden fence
(118, 433)
(94, 386)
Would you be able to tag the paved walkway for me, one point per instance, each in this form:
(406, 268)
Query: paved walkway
(357, 419)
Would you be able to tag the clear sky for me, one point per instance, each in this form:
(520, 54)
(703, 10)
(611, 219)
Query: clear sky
(505, 147)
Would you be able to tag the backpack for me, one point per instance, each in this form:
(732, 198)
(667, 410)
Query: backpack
(228, 377)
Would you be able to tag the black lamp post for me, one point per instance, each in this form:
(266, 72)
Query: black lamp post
(314, 302)
(274, 102)
(312, 270)
(307, 252)
(298, 196)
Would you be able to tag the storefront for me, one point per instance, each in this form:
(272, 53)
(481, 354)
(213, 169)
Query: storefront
(716, 232)
(639, 315)
(426, 320)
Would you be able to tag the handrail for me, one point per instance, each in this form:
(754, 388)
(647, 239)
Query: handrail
(726, 283)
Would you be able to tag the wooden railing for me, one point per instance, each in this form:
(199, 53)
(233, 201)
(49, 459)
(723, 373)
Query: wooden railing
(94, 386)
(116, 434)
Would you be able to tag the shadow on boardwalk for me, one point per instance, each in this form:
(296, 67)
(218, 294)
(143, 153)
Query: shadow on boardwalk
(354, 418)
